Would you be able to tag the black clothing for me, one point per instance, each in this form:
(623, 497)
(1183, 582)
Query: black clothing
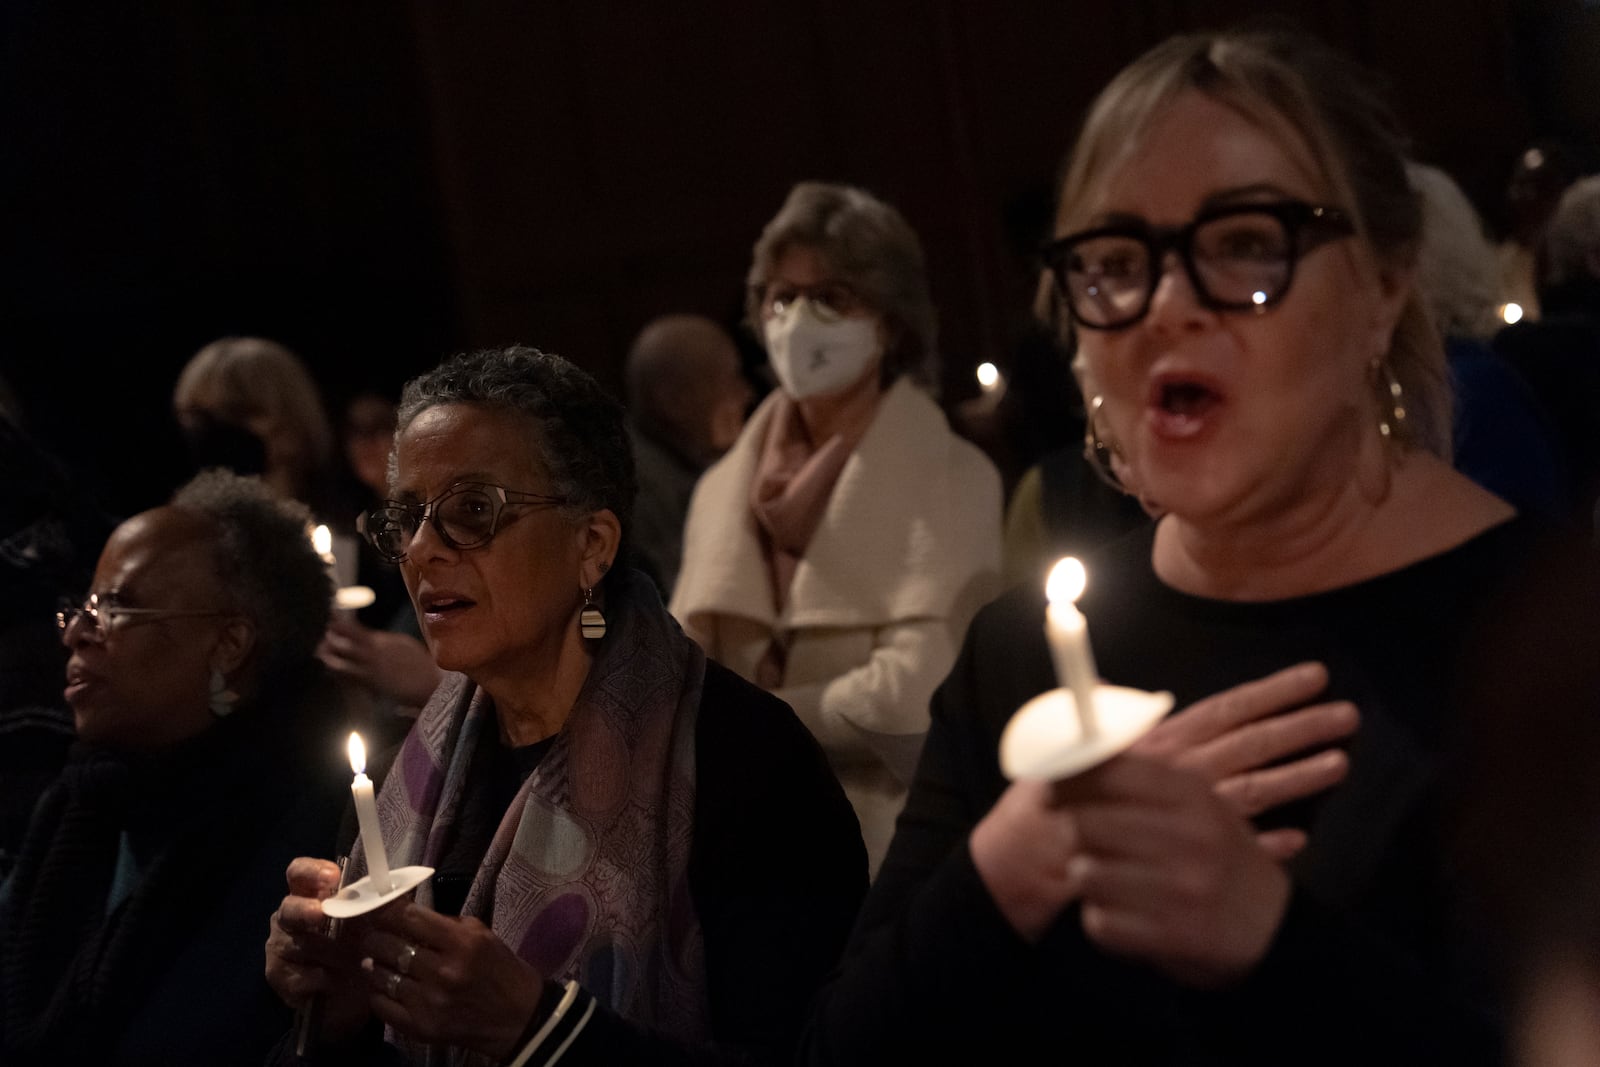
(131, 931)
(1080, 511)
(1367, 966)
(777, 870)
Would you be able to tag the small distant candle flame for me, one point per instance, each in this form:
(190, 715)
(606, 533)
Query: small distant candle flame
(1511, 313)
(358, 754)
(322, 541)
(1066, 582)
(988, 375)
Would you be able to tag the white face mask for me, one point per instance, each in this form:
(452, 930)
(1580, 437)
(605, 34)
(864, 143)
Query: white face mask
(813, 356)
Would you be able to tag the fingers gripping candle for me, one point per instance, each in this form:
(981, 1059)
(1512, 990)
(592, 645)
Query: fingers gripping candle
(367, 816)
(1068, 634)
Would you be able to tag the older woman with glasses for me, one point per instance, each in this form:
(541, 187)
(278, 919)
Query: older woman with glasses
(206, 759)
(1235, 249)
(638, 856)
(836, 554)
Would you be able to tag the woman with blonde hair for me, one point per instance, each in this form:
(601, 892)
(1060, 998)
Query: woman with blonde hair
(1235, 246)
(260, 387)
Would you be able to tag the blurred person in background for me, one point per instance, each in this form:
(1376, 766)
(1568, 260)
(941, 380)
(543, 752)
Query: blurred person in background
(1539, 175)
(252, 406)
(1501, 436)
(1559, 354)
(836, 554)
(687, 399)
(378, 647)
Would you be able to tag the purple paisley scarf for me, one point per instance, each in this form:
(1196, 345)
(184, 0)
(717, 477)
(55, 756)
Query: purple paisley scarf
(587, 875)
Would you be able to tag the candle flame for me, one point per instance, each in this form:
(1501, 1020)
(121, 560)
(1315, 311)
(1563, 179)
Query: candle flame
(322, 540)
(988, 375)
(1511, 313)
(1066, 581)
(358, 753)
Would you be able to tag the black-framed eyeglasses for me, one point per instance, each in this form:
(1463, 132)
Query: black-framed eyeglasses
(466, 515)
(100, 617)
(1240, 257)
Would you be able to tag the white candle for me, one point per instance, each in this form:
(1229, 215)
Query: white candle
(367, 816)
(1068, 633)
(346, 559)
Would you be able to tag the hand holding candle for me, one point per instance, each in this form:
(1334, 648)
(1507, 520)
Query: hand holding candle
(338, 551)
(367, 816)
(1068, 633)
(1051, 737)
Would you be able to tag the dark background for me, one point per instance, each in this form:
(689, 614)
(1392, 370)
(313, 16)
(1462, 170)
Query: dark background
(379, 184)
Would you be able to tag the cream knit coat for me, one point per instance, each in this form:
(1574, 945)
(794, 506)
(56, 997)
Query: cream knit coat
(907, 551)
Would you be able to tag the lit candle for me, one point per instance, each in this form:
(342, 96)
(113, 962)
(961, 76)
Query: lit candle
(988, 377)
(1068, 633)
(367, 816)
(322, 543)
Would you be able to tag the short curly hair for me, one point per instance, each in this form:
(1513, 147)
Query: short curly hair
(576, 430)
(266, 564)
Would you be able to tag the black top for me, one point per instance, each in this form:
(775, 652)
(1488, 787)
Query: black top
(131, 930)
(777, 870)
(1368, 965)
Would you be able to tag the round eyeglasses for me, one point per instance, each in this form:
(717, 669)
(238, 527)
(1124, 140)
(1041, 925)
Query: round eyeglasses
(466, 515)
(100, 617)
(1240, 257)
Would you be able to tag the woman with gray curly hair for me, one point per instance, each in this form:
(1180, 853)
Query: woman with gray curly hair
(837, 552)
(622, 831)
(206, 759)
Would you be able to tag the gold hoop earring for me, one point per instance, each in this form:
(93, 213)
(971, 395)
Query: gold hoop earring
(1391, 401)
(1096, 450)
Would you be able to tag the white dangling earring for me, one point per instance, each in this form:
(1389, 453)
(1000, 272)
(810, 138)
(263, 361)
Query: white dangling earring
(591, 622)
(222, 698)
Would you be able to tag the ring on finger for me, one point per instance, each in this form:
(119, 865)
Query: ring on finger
(407, 953)
(392, 987)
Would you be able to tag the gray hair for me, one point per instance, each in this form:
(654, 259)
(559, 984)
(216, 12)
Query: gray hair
(1573, 236)
(873, 250)
(575, 428)
(266, 564)
(1458, 273)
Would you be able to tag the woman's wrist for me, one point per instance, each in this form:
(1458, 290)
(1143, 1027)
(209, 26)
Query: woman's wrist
(563, 1010)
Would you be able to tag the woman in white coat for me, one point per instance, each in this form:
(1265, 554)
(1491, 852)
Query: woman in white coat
(838, 551)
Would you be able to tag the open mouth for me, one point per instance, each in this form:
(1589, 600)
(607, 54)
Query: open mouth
(444, 606)
(1186, 399)
(1179, 405)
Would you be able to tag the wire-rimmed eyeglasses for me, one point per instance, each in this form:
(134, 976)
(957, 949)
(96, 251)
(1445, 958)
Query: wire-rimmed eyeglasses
(1238, 257)
(466, 515)
(830, 300)
(101, 617)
